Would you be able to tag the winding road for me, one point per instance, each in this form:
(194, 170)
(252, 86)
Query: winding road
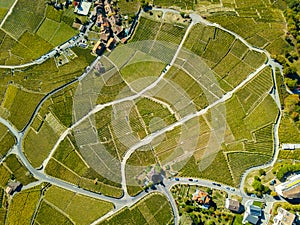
(126, 200)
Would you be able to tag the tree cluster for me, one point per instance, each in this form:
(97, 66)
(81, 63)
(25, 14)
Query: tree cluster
(292, 106)
(259, 188)
(286, 170)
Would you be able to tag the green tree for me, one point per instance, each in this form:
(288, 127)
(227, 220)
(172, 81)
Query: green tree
(291, 83)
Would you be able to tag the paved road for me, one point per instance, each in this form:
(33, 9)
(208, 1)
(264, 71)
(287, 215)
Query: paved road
(70, 43)
(8, 13)
(145, 140)
(127, 200)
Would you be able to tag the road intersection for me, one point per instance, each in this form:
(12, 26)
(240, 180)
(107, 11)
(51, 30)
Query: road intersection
(126, 200)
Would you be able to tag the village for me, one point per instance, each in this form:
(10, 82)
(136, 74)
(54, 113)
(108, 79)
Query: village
(106, 21)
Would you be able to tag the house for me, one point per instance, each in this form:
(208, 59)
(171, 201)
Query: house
(104, 37)
(232, 205)
(284, 217)
(12, 186)
(110, 41)
(252, 214)
(289, 189)
(289, 146)
(83, 8)
(77, 26)
(101, 49)
(96, 46)
(202, 198)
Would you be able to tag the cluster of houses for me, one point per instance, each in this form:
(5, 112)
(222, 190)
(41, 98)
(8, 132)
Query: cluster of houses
(252, 212)
(108, 20)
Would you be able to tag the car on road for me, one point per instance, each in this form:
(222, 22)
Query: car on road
(228, 188)
(190, 179)
(232, 189)
(219, 185)
(176, 179)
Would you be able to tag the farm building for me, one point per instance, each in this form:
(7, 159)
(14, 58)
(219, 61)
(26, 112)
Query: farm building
(289, 189)
(12, 186)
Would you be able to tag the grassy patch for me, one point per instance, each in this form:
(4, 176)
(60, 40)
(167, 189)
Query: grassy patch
(48, 215)
(56, 169)
(62, 34)
(7, 140)
(18, 170)
(129, 7)
(265, 31)
(189, 85)
(23, 206)
(288, 154)
(288, 131)
(140, 70)
(241, 161)
(26, 16)
(68, 165)
(5, 175)
(48, 29)
(31, 46)
(37, 146)
(150, 111)
(219, 46)
(171, 33)
(266, 112)
(81, 209)
(154, 209)
(198, 38)
(146, 30)
(20, 104)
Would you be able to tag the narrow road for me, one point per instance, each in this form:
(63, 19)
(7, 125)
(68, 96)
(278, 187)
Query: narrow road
(127, 200)
(8, 13)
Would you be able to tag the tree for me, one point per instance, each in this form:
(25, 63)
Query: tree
(262, 172)
(258, 186)
(209, 191)
(274, 193)
(291, 102)
(291, 83)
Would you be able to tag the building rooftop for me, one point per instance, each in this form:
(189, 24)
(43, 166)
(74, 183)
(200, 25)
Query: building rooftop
(289, 189)
(252, 214)
(201, 197)
(289, 146)
(12, 186)
(284, 217)
(83, 8)
(232, 205)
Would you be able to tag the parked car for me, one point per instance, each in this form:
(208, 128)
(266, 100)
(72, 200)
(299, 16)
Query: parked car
(190, 179)
(228, 188)
(176, 178)
(232, 189)
(219, 185)
(195, 180)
